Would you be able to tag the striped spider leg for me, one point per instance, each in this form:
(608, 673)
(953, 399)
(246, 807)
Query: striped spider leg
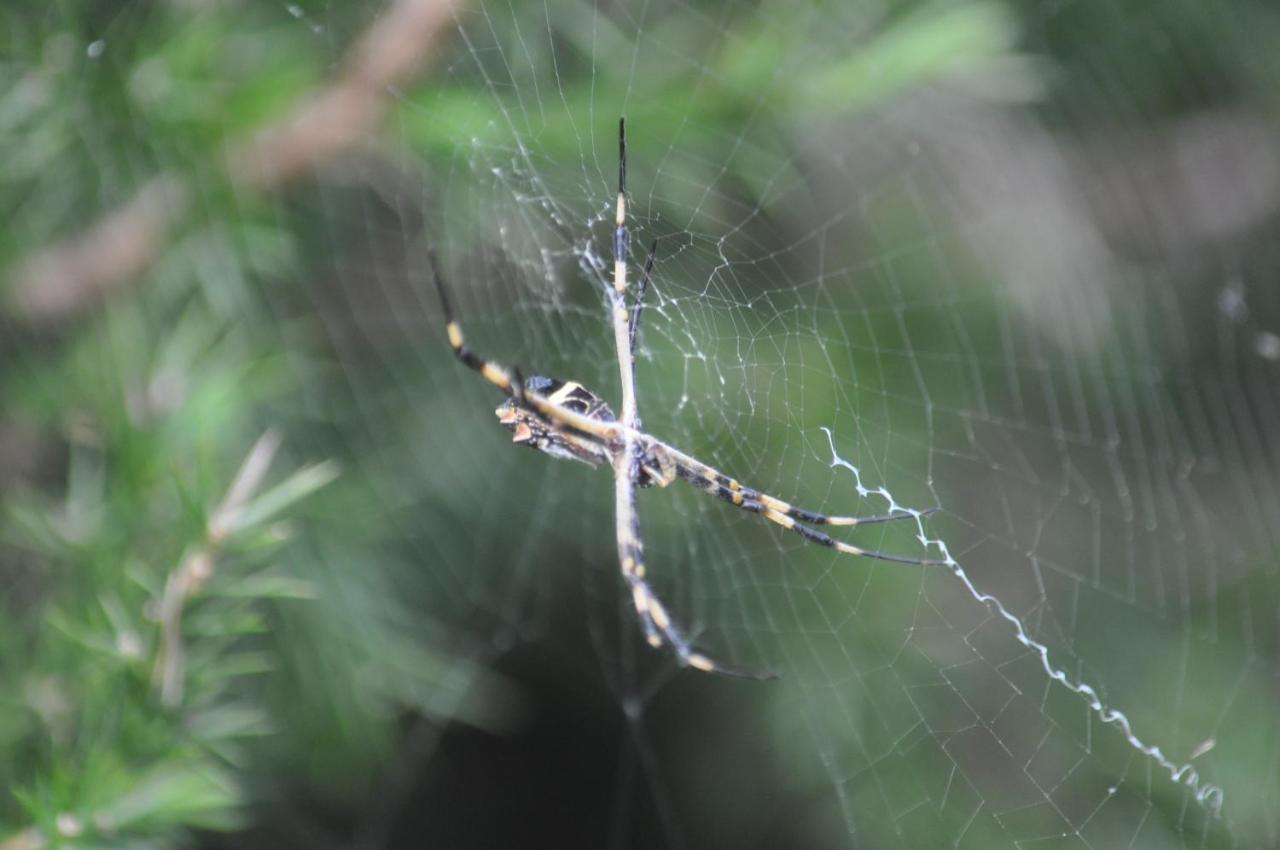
(566, 420)
(633, 467)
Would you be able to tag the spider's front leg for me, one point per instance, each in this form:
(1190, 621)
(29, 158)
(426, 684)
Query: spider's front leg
(635, 462)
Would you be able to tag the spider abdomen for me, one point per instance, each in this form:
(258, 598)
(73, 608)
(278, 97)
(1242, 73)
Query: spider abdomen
(533, 430)
(574, 396)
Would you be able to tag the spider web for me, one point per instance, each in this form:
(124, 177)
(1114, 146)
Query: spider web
(902, 293)
(909, 257)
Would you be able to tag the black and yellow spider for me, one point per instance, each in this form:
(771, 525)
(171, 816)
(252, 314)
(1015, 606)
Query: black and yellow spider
(566, 420)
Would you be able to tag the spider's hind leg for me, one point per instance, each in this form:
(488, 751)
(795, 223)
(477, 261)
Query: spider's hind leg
(792, 518)
(659, 629)
(740, 496)
(654, 618)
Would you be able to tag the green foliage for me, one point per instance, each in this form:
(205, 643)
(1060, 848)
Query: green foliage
(149, 581)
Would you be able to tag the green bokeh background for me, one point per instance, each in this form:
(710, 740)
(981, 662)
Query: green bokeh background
(952, 232)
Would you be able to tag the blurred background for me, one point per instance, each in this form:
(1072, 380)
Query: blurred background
(272, 576)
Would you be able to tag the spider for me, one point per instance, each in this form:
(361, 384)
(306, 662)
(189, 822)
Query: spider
(566, 420)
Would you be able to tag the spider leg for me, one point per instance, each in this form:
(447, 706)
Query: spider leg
(734, 492)
(508, 380)
(793, 519)
(815, 536)
(659, 629)
(640, 290)
(490, 371)
(623, 333)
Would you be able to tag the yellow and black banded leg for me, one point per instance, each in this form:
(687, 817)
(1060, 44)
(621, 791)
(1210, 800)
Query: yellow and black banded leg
(491, 372)
(793, 519)
(620, 232)
(659, 630)
(508, 381)
(654, 617)
(734, 492)
(620, 242)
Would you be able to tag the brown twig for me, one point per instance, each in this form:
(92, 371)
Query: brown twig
(198, 564)
(63, 280)
(68, 276)
(27, 839)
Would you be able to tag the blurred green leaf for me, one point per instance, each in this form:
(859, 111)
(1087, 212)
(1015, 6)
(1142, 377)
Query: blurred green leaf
(296, 487)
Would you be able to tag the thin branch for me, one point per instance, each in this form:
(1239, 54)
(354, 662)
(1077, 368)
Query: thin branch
(27, 839)
(62, 281)
(197, 567)
(390, 54)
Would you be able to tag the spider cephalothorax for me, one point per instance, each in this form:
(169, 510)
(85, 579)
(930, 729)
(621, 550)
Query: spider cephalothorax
(566, 420)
